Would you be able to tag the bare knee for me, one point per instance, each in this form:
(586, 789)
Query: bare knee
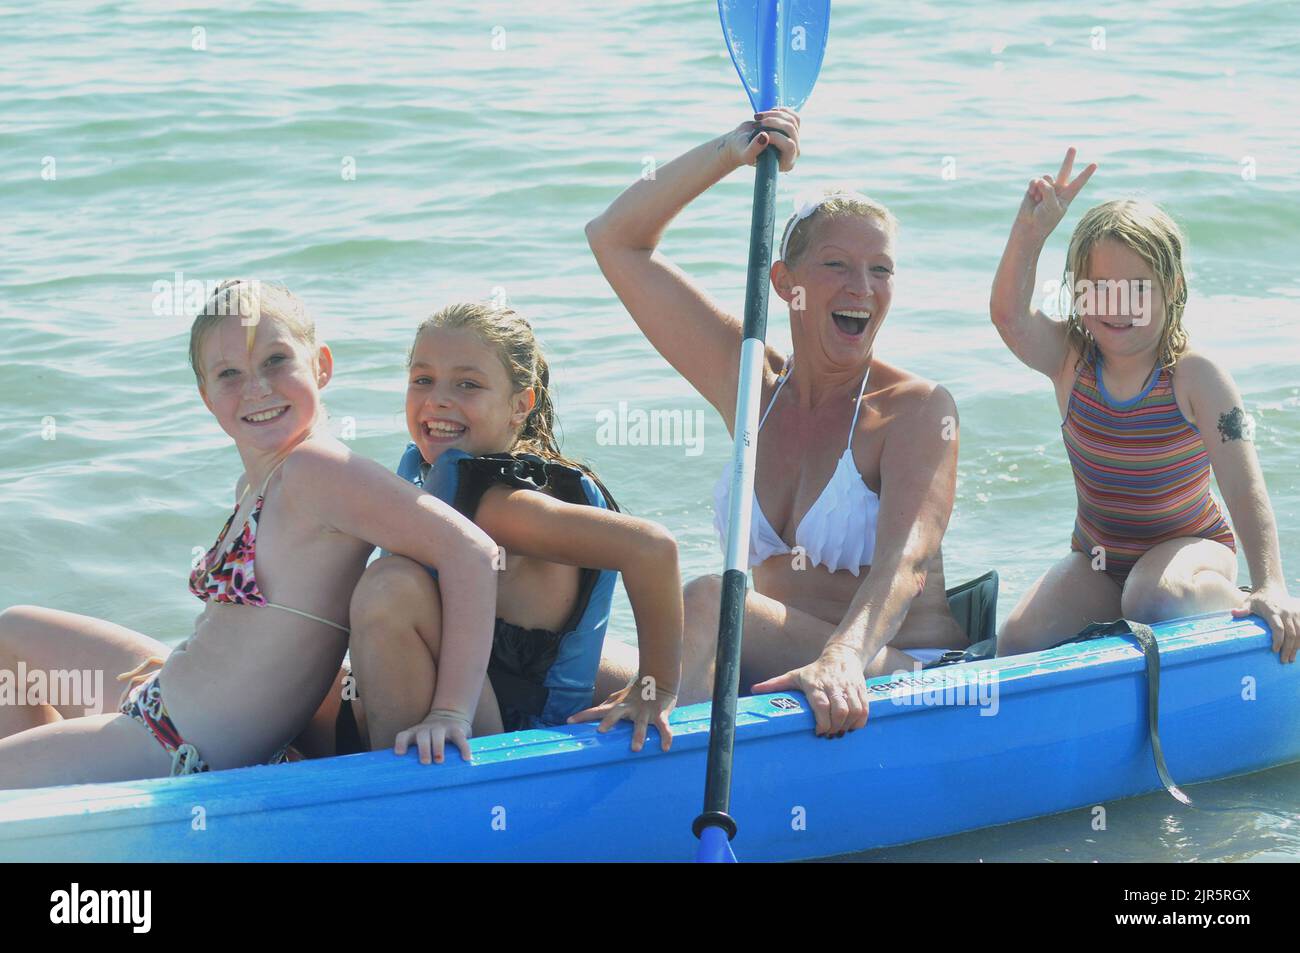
(12, 622)
(700, 602)
(701, 598)
(1156, 600)
(1015, 637)
(393, 592)
(16, 617)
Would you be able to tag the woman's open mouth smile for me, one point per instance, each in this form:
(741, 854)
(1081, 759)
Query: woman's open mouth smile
(851, 323)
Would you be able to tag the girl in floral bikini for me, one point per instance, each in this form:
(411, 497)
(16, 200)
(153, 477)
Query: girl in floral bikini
(1145, 420)
(276, 585)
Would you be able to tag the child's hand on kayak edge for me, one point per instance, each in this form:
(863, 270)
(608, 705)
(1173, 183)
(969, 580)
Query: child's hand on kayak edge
(1282, 613)
(1047, 199)
(640, 701)
(430, 735)
(835, 688)
(777, 127)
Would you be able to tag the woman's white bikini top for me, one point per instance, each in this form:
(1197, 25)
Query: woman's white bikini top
(839, 529)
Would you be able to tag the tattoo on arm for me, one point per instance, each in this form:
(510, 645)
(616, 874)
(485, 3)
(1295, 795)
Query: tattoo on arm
(1236, 424)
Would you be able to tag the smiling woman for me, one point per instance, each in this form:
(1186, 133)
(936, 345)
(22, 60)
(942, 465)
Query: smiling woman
(857, 461)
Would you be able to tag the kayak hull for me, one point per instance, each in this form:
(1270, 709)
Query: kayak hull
(945, 751)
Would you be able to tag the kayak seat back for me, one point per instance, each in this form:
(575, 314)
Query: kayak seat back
(974, 605)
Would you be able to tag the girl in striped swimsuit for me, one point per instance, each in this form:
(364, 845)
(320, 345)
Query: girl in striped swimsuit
(1145, 421)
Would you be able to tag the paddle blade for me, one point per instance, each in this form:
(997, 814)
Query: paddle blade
(714, 847)
(777, 47)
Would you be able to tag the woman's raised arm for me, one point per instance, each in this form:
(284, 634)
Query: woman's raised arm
(695, 336)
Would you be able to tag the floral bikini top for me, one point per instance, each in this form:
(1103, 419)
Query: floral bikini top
(231, 577)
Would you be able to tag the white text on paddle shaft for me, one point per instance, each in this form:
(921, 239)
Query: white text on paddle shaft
(103, 906)
(655, 428)
(75, 688)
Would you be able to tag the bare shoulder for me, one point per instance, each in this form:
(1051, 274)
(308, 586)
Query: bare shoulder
(1206, 392)
(315, 458)
(322, 469)
(1196, 368)
(1198, 377)
(904, 395)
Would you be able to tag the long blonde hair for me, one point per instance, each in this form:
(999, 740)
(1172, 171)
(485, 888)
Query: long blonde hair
(516, 345)
(1147, 230)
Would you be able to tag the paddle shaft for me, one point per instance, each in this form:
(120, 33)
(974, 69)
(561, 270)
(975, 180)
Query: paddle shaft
(726, 681)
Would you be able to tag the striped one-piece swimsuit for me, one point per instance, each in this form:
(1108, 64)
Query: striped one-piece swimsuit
(1140, 471)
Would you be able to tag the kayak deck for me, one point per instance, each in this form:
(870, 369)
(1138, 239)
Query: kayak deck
(946, 750)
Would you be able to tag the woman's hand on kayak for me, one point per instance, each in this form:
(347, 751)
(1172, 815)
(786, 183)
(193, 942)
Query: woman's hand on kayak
(640, 704)
(835, 687)
(1047, 199)
(778, 127)
(1282, 613)
(433, 733)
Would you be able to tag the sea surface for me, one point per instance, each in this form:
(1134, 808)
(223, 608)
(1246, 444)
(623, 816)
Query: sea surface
(383, 159)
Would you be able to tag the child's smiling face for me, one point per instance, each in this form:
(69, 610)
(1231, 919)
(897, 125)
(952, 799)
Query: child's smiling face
(459, 394)
(267, 399)
(1121, 302)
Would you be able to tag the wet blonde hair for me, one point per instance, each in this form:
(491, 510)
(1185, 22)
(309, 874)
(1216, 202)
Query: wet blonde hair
(1147, 230)
(516, 345)
(253, 301)
(834, 203)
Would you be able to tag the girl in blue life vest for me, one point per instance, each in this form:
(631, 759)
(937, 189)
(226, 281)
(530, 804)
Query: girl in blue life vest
(481, 421)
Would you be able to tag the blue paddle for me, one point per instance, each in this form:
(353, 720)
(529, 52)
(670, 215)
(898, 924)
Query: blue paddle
(777, 47)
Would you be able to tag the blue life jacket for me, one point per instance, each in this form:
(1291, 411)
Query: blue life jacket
(555, 676)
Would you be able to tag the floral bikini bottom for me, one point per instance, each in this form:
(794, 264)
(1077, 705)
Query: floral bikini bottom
(143, 701)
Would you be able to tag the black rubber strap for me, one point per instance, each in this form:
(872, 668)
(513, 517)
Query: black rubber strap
(1146, 640)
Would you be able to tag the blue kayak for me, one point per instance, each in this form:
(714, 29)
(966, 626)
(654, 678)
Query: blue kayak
(946, 750)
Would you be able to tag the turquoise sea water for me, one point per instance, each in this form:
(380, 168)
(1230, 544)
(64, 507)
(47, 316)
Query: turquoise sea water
(483, 136)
